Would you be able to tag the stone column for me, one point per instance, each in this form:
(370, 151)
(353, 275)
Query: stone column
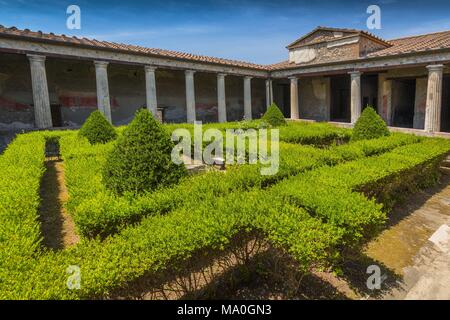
(42, 111)
(150, 90)
(190, 96)
(221, 101)
(103, 101)
(434, 98)
(248, 98)
(269, 93)
(385, 98)
(355, 101)
(294, 98)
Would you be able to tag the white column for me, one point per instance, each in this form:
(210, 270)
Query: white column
(103, 101)
(434, 98)
(294, 98)
(190, 96)
(269, 92)
(221, 100)
(150, 89)
(355, 101)
(248, 98)
(42, 112)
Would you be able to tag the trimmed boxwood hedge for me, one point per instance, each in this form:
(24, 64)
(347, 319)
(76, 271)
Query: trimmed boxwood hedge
(98, 212)
(274, 116)
(369, 126)
(97, 129)
(311, 230)
(141, 159)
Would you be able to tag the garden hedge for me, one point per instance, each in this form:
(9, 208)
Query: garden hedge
(97, 129)
(311, 231)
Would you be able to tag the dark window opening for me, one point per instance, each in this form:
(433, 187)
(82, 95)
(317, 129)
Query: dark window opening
(403, 100)
(445, 110)
(56, 115)
(340, 98)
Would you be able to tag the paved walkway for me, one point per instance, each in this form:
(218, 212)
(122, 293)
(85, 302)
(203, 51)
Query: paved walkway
(417, 245)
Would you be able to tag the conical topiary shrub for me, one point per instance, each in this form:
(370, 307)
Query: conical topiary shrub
(141, 160)
(274, 116)
(97, 129)
(369, 126)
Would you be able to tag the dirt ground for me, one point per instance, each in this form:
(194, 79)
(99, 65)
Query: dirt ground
(57, 226)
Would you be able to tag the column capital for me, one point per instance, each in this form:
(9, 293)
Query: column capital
(101, 64)
(293, 78)
(435, 67)
(150, 68)
(36, 57)
(248, 77)
(189, 72)
(220, 74)
(355, 73)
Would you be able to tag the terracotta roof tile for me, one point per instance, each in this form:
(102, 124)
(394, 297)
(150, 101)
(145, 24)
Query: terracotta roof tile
(13, 31)
(414, 44)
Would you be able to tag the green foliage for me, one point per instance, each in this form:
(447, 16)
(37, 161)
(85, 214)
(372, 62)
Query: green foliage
(274, 116)
(141, 160)
(316, 134)
(97, 129)
(321, 206)
(369, 126)
(97, 212)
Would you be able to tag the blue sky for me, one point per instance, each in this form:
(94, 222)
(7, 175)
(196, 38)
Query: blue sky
(255, 31)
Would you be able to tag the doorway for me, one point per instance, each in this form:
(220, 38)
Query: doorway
(56, 115)
(403, 100)
(445, 109)
(340, 98)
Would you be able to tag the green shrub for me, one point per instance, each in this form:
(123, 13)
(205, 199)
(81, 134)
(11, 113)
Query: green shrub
(369, 126)
(97, 212)
(316, 134)
(97, 129)
(141, 160)
(274, 116)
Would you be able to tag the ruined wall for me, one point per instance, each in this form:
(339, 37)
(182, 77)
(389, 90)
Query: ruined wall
(71, 85)
(322, 35)
(314, 98)
(367, 46)
(16, 100)
(325, 52)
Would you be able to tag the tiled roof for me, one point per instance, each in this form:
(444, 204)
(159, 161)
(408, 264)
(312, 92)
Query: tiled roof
(407, 45)
(344, 30)
(426, 42)
(63, 39)
(421, 43)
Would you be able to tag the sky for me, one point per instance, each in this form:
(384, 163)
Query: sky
(248, 30)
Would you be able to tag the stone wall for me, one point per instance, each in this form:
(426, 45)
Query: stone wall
(72, 90)
(16, 100)
(314, 98)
